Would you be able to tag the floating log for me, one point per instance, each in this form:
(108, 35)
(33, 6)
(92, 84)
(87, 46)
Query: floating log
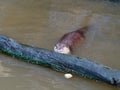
(60, 62)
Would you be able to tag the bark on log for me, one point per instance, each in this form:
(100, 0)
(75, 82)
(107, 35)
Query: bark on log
(60, 62)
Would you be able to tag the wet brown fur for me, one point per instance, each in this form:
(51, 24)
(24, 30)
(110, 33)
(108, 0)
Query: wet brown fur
(71, 39)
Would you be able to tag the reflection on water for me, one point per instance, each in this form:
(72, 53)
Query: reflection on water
(41, 23)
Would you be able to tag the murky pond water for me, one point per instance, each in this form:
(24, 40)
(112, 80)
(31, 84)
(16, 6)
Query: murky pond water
(41, 23)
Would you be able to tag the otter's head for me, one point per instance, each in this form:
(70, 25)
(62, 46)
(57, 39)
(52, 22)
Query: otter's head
(62, 48)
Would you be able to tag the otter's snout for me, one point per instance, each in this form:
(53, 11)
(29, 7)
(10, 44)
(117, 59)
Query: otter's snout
(62, 49)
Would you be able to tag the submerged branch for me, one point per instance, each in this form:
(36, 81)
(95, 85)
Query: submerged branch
(60, 62)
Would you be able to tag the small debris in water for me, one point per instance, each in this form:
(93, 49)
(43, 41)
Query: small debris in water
(68, 75)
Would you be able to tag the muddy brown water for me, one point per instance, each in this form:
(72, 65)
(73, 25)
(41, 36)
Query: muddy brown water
(41, 23)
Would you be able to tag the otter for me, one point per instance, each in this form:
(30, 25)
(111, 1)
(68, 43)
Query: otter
(70, 40)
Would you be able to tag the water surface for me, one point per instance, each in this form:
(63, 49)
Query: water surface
(41, 23)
